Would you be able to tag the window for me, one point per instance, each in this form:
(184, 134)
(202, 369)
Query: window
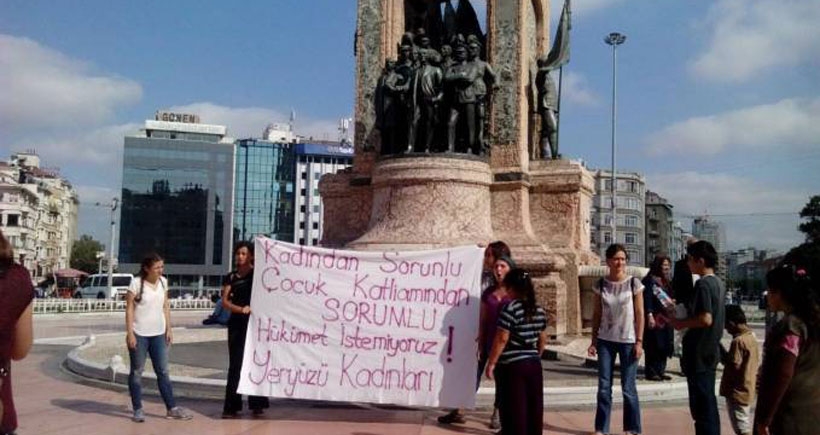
(301, 241)
(303, 192)
(13, 220)
(631, 238)
(302, 225)
(316, 209)
(631, 221)
(303, 209)
(607, 237)
(608, 185)
(632, 186)
(316, 225)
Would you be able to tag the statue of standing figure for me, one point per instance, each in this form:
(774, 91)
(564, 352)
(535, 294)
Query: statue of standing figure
(548, 109)
(430, 93)
(461, 79)
(486, 77)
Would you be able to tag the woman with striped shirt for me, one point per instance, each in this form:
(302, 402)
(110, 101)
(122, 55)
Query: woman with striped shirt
(515, 359)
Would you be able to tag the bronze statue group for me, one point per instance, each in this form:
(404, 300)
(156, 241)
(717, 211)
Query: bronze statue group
(431, 100)
(435, 100)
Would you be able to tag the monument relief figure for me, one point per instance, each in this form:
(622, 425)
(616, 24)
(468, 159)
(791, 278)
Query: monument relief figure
(388, 100)
(431, 92)
(486, 77)
(406, 68)
(547, 108)
(461, 78)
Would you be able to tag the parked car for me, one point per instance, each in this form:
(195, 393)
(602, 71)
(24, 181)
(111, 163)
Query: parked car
(96, 286)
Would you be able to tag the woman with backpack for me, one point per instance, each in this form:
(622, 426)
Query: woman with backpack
(148, 332)
(617, 331)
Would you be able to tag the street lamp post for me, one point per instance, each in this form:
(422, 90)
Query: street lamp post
(113, 206)
(614, 39)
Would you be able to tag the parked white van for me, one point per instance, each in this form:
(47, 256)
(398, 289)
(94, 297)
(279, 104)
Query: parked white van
(96, 286)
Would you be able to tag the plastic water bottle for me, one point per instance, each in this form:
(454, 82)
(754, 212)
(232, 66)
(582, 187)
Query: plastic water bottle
(664, 298)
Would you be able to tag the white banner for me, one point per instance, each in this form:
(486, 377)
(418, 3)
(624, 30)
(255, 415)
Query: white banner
(355, 326)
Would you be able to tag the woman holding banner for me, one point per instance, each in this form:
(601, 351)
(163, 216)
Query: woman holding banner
(497, 263)
(236, 298)
(517, 348)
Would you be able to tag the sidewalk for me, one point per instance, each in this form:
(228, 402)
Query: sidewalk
(50, 401)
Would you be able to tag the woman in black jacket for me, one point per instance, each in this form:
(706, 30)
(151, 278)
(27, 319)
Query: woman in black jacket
(658, 336)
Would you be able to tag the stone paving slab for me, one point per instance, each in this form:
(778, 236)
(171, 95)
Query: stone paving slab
(52, 402)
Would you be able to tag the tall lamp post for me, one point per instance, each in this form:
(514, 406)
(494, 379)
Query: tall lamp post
(113, 206)
(614, 39)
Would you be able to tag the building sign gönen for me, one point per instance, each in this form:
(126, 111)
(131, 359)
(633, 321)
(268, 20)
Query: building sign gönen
(353, 326)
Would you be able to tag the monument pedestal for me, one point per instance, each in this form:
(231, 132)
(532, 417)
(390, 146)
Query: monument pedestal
(412, 202)
(560, 201)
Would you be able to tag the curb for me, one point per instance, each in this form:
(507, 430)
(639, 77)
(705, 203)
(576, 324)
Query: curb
(203, 388)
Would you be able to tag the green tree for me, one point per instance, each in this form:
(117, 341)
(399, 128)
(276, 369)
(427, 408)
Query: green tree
(807, 255)
(811, 214)
(84, 254)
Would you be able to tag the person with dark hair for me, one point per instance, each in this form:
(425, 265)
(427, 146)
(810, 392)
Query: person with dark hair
(148, 333)
(683, 283)
(515, 358)
(740, 363)
(617, 331)
(236, 298)
(16, 333)
(701, 343)
(658, 335)
(493, 298)
(494, 251)
(789, 397)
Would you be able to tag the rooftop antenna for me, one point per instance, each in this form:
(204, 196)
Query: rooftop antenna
(292, 118)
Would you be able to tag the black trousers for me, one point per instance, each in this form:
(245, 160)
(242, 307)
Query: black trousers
(520, 387)
(237, 328)
(703, 402)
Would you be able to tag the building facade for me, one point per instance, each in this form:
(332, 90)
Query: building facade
(312, 161)
(264, 190)
(177, 200)
(38, 214)
(703, 228)
(660, 232)
(630, 223)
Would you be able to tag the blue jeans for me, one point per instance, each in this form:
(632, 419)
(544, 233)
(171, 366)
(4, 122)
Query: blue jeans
(155, 347)
(607, 351)
(703, 402)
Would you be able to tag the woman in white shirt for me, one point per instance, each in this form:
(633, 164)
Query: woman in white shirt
(617, 330)
(148, 332)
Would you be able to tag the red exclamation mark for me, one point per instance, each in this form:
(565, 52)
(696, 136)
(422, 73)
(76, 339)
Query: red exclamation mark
(450, 346)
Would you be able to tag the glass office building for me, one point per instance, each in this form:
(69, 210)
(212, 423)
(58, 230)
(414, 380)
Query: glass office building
(177, 201)
(263, 200)
(277, 188)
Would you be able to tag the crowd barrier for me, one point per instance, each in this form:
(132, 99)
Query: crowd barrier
(54, 305)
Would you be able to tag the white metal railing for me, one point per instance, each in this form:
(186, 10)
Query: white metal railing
(55, 305)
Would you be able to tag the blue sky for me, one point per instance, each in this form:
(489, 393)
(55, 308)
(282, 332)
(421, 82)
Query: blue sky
(719, 102)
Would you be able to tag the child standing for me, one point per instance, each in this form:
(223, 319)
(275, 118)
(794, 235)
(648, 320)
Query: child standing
(740, 370)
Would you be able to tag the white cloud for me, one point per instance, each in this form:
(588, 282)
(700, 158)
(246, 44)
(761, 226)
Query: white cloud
(43, 88)
(96, 148)
(760, 204)
(748, 37)
(576, 89)
(789, 122)
(244, 122)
